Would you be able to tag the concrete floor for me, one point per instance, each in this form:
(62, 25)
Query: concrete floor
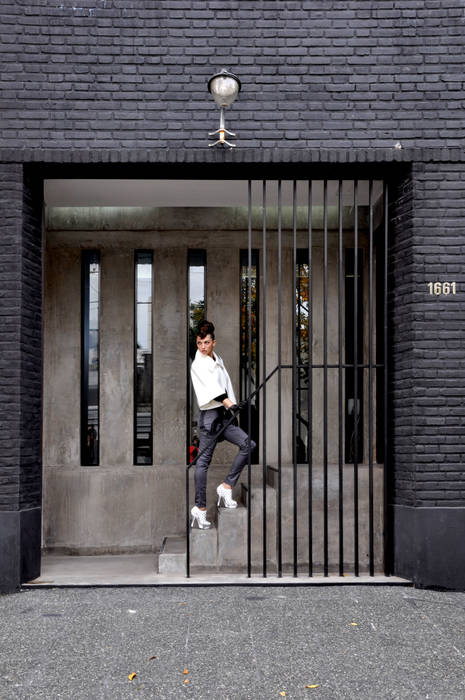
(142, 570)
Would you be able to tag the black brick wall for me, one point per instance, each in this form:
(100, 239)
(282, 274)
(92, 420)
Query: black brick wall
(31, 346)
(326, 86)
(401, 341)
(20, 341)
(132, 73)
(438, 324)
(428, 338)
(11, 191)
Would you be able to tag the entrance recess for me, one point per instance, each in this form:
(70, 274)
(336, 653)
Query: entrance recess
(317, 378)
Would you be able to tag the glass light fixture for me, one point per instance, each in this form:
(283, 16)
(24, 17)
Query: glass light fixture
(224, 88)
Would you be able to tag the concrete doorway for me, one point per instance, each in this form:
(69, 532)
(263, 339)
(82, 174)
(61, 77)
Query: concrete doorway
(119, 506)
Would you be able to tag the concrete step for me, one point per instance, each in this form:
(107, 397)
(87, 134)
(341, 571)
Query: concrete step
(256, 525)
(222, 548)
(172, 558)
(232, 539)
(287, 505)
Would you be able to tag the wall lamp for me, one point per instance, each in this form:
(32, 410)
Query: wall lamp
(224, 88)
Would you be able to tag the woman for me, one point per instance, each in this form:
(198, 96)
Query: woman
(215, 393)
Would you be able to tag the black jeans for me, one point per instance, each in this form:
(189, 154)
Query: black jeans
(210, 423)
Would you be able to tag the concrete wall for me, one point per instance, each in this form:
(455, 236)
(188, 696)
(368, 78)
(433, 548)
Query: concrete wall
(118, 506)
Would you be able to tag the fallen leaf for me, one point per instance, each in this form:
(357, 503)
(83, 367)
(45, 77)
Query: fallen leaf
(316, 685)
(185, 671)
(282, 693)
(131, 676)
(186, 681)
(354, 624)
(151, 658)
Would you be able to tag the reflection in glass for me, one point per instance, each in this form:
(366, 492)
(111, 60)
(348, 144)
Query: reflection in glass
(143, 373)
(90, 265)
(196, 267)
(302, 306)
(251, 363)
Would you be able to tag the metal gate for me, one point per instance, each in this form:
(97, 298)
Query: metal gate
(322, 367)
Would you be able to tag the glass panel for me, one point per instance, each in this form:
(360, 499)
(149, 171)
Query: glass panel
(244, 340)
(143, 371)
(196, 311)
(302, 301)
(90, 358)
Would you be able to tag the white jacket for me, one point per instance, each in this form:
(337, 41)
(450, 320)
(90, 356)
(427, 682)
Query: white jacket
(210, 379)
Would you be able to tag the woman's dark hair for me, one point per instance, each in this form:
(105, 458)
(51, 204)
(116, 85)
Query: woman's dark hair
(206, 328)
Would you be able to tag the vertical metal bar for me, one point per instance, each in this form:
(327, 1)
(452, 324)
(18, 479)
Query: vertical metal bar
(340, 384)
(189, 425)
(356, 559)
(249, 381)
(325, 374)
(294, 371)
(370, 384)
(386, 543)
(188, 529)
(188, 365)
(310, 386)
(264, 458)
(279, 533)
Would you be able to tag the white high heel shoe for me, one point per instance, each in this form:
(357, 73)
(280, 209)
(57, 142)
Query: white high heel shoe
(225, 494)
(201, 517)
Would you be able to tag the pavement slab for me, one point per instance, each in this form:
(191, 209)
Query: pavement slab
(242, 642)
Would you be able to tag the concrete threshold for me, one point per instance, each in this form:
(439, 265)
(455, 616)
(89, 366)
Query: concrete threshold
(61, 571)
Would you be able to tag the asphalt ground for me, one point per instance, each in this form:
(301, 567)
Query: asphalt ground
(234, 642)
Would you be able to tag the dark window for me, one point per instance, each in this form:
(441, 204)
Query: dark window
(196, 275)
(302, 316)
(249, 362)
(90, 306)
(353, 352)
(143, 354)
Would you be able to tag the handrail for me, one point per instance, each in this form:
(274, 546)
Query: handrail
(191, 464)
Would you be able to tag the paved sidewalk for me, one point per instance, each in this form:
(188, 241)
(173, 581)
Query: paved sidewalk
(236, 642)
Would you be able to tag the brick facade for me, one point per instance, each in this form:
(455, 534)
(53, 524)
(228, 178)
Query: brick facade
(326, 86)
(133, 73)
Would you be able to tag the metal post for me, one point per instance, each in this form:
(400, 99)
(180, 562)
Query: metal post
(279, 528)
(370, 383)
(356, 529)
(325, 374)
(310, 386)
(386, 543)
(340, 380)
(294, 371)
(264, 466)
(249, 381)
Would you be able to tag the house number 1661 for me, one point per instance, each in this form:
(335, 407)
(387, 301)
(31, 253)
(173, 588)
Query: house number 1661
(438, 288)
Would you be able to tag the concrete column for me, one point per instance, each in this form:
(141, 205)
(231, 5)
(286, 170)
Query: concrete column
(272, 353)
(116, 358)
(223, 309)
(62, 358)
(169, 401)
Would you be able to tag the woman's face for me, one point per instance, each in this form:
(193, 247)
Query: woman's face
(206, 345)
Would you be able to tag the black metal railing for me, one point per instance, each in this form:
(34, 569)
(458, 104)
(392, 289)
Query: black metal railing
(359, 362)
